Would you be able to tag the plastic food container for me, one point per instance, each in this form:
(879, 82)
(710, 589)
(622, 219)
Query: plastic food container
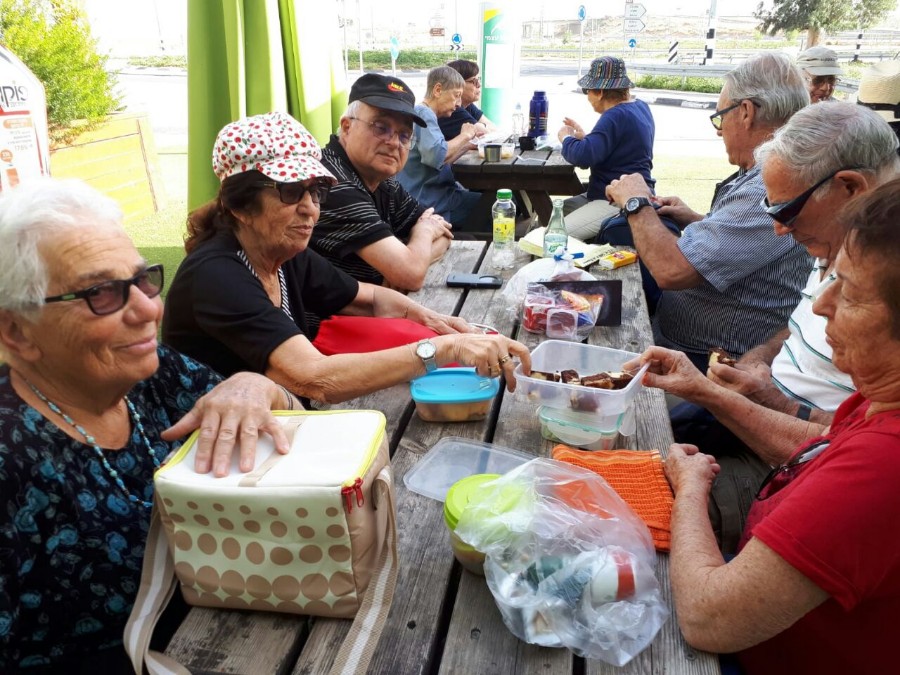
(453, 395)
(585, 430)
(507, 150)
(457, 499)
(453, 458)
(553, 355)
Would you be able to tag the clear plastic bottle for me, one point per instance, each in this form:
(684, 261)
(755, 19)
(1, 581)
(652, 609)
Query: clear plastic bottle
(504, 215)
(518, 122)
(556, 238)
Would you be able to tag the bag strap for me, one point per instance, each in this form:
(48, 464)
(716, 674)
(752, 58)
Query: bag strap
(158, 583)
(157, 586)
(359, 645)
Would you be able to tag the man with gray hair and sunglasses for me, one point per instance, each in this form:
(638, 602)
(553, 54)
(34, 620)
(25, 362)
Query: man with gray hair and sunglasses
(370, 226)
(787, 387)
(728, 282)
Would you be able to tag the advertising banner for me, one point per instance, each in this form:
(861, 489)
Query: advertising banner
(23, 123)
(501, 30)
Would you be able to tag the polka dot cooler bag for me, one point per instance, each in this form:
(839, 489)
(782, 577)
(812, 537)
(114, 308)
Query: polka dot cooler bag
(309, 532)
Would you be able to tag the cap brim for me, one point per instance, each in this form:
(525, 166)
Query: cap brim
(388, 103)
(823, 70)
(587, 82)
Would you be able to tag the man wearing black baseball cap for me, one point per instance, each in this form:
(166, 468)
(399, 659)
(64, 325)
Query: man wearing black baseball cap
(370, 226)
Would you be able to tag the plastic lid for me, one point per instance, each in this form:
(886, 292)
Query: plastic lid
(504, 193)
(539, 94)
(579, 421)
(459, 494)
(453, 458)
(453, 385)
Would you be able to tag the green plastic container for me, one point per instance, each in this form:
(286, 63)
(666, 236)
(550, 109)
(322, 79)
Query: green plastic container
(455, 503)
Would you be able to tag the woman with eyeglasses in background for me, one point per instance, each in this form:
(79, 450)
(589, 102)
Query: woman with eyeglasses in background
(240, 298)
(815, 586)
(90, 405)
(620, 143)
(468, 111)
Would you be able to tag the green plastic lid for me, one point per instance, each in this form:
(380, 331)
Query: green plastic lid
(504, 193)
(459, 494)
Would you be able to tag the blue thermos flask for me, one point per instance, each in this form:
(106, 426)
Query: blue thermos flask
(537, 115)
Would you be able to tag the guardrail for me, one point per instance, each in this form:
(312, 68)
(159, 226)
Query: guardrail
(710, 70)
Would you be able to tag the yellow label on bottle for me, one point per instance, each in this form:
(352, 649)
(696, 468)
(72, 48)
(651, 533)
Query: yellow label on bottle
(504, 229)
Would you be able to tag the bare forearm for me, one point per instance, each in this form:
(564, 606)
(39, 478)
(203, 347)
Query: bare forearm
(771, 434)
(456, 147)
(695, 555)
(767, 351)
(659, 251)
(341, 377)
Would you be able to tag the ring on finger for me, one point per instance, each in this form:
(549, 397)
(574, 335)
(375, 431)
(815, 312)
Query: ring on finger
(503, 359)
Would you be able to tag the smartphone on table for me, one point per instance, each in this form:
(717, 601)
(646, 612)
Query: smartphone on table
(461, 280)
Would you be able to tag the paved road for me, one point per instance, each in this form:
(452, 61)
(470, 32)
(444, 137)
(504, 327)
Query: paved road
(679, 131)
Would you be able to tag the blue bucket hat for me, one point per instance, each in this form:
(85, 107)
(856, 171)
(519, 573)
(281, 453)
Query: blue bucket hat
(607, 72)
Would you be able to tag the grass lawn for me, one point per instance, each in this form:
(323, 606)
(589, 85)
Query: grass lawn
(160, 237)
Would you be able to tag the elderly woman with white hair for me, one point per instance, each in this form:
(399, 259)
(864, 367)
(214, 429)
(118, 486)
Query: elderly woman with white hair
(428, 174)
(90, 405)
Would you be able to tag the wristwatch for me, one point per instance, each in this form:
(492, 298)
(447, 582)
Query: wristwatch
(635, 204)
(426, 350)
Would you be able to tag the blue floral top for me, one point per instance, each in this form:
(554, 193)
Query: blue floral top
(71, 544)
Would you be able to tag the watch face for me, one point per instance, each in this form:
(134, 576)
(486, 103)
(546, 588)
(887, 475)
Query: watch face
(426, 350)
(632, 204)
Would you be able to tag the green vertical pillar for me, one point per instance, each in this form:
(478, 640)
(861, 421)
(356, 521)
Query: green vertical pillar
(498, 55)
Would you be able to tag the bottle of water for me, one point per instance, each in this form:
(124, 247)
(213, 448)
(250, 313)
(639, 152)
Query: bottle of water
(518, 122)
(556, 237)
(504, 213)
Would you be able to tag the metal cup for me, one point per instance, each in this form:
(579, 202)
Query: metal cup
(492, 152)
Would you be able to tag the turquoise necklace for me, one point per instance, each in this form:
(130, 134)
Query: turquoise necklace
(134, 499)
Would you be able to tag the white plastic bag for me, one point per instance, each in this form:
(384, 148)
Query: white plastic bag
(541, 269)
(568, 562)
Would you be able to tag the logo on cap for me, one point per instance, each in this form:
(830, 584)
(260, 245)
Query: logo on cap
(393, 86)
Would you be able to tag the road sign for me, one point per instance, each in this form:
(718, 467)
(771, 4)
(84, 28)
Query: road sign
(634, 11)
(395, 48)
(582, 13)
(632, 43)
(436, 32)
(456, 47)
(456, 39)
(634, 25)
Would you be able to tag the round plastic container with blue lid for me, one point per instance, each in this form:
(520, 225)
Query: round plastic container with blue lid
(453, 395)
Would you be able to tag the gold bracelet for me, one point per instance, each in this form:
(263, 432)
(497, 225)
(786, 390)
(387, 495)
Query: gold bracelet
(290, 398)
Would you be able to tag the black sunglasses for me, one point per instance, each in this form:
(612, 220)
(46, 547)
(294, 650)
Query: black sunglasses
(111, 296)
(787, 212)
(716, 117)
(781, 476)
(292, 193)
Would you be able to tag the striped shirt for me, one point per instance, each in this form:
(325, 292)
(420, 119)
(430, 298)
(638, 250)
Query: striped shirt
(803, 370)
(352, 217)
(751, 277)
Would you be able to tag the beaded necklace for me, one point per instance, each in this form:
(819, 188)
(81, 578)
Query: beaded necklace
(136, 418)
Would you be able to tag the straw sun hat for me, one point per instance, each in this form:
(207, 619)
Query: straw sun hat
(879, 89)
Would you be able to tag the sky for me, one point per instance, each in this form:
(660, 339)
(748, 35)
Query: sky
(148, 27)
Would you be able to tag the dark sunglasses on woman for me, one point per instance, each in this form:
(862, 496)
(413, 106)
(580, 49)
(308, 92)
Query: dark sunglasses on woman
(780, 476)
(292, 193)
(111, 296)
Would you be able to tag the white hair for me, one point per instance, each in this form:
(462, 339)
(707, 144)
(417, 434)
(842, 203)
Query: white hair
(772, 81)
(29, 215)
(830, 136)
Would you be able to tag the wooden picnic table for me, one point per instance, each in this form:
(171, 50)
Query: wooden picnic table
(534, 174)
(443, 619)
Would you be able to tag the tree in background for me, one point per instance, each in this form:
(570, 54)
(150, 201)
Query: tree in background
(818, 16)
(53, 38)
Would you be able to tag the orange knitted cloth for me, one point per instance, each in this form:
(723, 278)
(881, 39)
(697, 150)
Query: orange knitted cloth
(637, 476)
